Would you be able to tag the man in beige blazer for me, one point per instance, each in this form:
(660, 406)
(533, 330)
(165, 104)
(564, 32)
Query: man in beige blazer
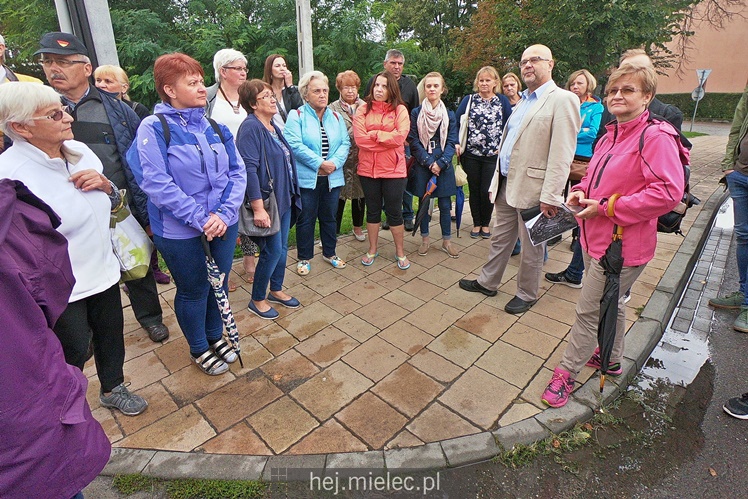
(536, 150)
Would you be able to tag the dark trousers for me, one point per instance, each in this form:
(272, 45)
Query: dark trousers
(387, 191)
(144, 299)
(96, 319)
(480, 170)
(358, 207)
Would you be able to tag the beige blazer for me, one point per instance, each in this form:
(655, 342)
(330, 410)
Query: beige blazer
(543, 151)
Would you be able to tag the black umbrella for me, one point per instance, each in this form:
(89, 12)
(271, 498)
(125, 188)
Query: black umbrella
(215, 278)
(612, 263)
(423, 204)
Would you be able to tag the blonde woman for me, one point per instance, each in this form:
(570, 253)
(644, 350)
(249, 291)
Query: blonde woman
(512, 88)
(114, 80)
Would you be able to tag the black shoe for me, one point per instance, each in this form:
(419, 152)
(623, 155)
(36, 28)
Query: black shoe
(474, 287)
(562, 278)
(157, 332)
(553, 240)
(737, 407)
(518, 306)
(409, 226)
(385, 225)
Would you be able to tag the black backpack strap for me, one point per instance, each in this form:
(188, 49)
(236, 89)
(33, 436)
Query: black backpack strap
(217, 129)
(165, 127)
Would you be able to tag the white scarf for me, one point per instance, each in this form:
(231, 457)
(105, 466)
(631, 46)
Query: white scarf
(429, 119)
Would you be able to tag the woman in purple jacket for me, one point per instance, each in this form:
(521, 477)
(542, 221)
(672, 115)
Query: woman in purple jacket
(195, 186)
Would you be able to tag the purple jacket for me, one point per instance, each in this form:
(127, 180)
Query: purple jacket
(50, 444)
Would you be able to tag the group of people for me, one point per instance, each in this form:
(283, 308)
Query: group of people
(206, 153)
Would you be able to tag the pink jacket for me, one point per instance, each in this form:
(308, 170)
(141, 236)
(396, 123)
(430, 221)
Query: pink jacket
(651, 184)
(380, 137)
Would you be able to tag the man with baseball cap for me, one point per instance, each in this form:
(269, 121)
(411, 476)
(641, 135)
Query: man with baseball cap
(108, 126)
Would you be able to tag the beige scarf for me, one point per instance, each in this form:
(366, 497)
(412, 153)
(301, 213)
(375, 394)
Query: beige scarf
(429, 119)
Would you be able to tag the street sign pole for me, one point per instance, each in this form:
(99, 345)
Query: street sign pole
(699, 92)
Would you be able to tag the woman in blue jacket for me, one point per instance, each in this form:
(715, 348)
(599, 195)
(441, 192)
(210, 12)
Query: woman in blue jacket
(432, 139)
(195, 186)
(319, 141)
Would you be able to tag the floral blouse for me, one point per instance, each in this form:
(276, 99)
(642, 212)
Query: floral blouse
(485, 126)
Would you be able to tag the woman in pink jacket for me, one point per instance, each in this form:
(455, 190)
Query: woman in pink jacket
(635, 175)
(380, 128)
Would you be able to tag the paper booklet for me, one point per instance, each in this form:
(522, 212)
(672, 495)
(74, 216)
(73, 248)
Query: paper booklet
(542, 228)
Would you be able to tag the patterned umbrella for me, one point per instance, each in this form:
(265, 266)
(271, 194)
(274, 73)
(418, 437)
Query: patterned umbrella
(423, 205)
(215, 278)
(459, 205)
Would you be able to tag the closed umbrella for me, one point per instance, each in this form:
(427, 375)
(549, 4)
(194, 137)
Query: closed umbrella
(215, 278)
(459, 205)
(612, 263)
(423, 205)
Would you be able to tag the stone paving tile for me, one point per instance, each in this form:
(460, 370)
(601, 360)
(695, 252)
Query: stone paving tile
(327, 346)
(479, 396)
(459, 346)
(329, 282)
(372, 420)
(175, 354)
(282, 423)
(253, 355)
(235, 401)
(329, 391)
(181, 431)
(375, 358)
(340, 303)
(144, 370)
(403, 299)
(510, 364)
(436, 366)
(239, 439)
(531, 340)
(289, 370)
(404, 440)
(329, 438)
(364, 291)
(190, 384)
(534, 390)
(465, 264)
(275, 339)
(442, 277)
(559, 310)
(486, 322)
(380, 313)
(439, 423)
(356, 327)
(160, 405)
(544, 324)
(408, 390)
(105, 417)
(308, 320)
(421, 289)
(518, 412)
(458, 298)
(433, 317)
(137, 343)
(406, 337)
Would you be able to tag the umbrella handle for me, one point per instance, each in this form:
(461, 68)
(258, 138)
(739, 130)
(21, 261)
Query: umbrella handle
(206, 246)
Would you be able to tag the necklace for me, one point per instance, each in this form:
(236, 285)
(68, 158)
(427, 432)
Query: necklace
(235, 107)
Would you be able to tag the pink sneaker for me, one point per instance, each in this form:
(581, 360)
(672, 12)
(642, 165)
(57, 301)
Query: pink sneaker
(559, 388)
(613, 369)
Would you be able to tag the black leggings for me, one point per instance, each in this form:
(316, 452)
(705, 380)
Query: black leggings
(357, 212)
(391, 191)
(480, 170)
(96, 319)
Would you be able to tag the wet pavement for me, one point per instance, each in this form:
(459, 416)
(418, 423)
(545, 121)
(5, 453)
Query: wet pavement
(378, 359)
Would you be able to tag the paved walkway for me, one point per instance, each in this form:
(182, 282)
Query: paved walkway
(380, 359)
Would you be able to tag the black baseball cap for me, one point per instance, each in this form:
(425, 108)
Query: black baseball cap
(60, 43)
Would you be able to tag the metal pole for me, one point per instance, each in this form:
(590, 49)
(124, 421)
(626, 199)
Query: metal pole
(304, 36)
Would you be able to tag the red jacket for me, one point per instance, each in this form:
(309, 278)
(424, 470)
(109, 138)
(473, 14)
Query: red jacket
(651, 184)
(380, 137)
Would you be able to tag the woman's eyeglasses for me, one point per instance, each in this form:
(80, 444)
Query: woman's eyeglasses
(269, 96)
(625, 91)
(238, 69)
(56, 116)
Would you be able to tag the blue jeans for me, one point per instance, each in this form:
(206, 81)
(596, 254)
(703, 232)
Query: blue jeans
(320, 202)
(575, 270)
(738, 185)
(445, 219)
(195, 304)
(271, 266)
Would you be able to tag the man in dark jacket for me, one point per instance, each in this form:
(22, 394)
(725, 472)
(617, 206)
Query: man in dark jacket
(108, 126)
(394, 61)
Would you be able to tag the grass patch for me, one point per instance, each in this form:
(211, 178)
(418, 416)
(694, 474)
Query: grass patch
(130, 484)
(690, 135)
(215, 489)
(638, 310)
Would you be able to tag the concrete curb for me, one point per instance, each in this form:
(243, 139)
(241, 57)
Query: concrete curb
(641, 340)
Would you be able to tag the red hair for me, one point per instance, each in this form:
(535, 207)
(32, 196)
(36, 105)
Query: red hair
(169, 68)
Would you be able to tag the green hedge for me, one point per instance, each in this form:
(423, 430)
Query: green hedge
(712, 107)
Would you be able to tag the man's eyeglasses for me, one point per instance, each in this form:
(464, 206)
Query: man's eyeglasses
(625, 91)
(56, 116)
(238, 69)
(63, 63)
(531, 60)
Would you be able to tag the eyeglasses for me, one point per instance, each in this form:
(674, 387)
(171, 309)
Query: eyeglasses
(63, 63)
(348, 88)
(625, 91)
(267, 97)
(236, 68)
(56, 116)
(531, 60)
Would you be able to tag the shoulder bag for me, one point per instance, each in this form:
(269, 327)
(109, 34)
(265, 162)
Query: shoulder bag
(130, 243)
(247, 225)
(464, 124)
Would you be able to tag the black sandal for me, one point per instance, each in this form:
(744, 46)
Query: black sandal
(211, 364)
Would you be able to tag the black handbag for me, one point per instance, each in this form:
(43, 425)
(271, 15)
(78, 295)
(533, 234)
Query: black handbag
(247, 225)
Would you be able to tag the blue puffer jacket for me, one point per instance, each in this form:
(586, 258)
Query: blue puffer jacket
(304, 136)
(591, 111)
(202, 175)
